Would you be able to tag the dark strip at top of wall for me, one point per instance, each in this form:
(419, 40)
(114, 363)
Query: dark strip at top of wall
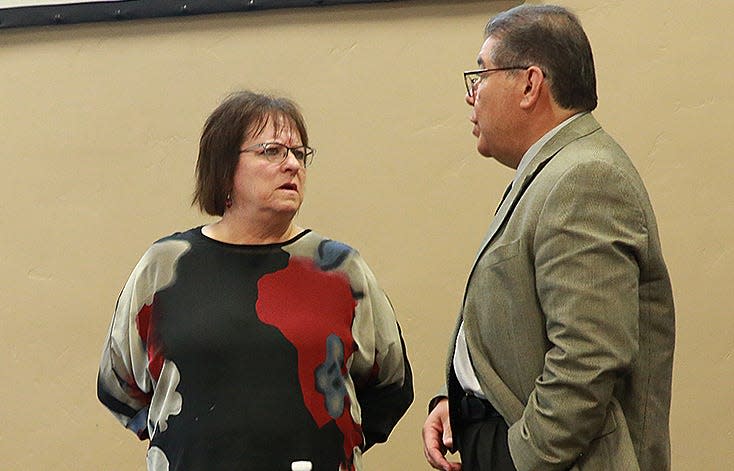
(136, 9)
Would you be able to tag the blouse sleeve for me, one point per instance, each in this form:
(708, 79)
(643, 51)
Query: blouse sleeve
(383, 377)
(124, 383)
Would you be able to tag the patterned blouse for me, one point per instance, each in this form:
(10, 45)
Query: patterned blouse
(250, 357)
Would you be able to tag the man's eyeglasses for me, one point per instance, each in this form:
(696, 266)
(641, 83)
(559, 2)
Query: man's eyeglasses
(473, 77)
(276, 153)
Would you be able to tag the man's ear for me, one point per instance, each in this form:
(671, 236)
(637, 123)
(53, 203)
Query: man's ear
(534, 81)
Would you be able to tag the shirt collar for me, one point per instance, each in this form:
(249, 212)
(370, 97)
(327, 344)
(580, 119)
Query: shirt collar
(535, 148)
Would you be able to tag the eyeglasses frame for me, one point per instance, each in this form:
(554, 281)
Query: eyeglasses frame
(308, 154)
(472, 84)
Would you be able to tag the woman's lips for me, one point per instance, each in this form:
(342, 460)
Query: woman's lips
(289, 186)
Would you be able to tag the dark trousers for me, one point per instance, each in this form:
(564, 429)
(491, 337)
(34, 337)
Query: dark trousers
(483, 440)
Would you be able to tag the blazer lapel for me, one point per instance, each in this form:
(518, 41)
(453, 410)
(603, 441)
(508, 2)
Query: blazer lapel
(580, 127)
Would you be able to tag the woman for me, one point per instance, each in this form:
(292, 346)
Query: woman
(252, 343)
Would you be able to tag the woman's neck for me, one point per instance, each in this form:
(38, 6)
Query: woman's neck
(237, 230)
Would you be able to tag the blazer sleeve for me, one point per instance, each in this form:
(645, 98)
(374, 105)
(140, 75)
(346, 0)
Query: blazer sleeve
(590, 238)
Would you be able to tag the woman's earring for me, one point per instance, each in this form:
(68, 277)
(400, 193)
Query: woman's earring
(228, 201)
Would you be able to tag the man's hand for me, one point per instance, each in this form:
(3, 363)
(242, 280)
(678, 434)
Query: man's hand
(437, 438)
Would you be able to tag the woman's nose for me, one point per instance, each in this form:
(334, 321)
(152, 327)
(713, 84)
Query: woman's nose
(291, 162)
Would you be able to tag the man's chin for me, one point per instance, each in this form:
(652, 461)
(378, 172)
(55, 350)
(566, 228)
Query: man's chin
(483, 150)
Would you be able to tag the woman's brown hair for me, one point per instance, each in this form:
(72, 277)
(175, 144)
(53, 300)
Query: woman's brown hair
(240, 114)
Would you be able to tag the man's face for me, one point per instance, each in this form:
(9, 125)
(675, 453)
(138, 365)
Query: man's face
(494, 109)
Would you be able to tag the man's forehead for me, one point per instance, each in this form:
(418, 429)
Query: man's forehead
(483, 59)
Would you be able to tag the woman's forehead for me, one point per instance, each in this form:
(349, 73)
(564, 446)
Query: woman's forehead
(275, 125)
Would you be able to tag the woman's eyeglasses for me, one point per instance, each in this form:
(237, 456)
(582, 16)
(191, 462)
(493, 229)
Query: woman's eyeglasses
(276, 153)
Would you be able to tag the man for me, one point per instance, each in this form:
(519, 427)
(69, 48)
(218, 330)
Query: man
(563, 350)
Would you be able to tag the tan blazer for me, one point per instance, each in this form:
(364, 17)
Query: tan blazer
(568, 311)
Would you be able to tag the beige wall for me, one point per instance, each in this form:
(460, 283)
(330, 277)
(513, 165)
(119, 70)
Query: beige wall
(99, 130)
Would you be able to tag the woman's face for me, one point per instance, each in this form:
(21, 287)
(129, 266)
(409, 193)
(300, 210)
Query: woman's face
(262, 188)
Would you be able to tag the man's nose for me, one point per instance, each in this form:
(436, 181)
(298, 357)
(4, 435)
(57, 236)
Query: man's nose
(470, 99)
